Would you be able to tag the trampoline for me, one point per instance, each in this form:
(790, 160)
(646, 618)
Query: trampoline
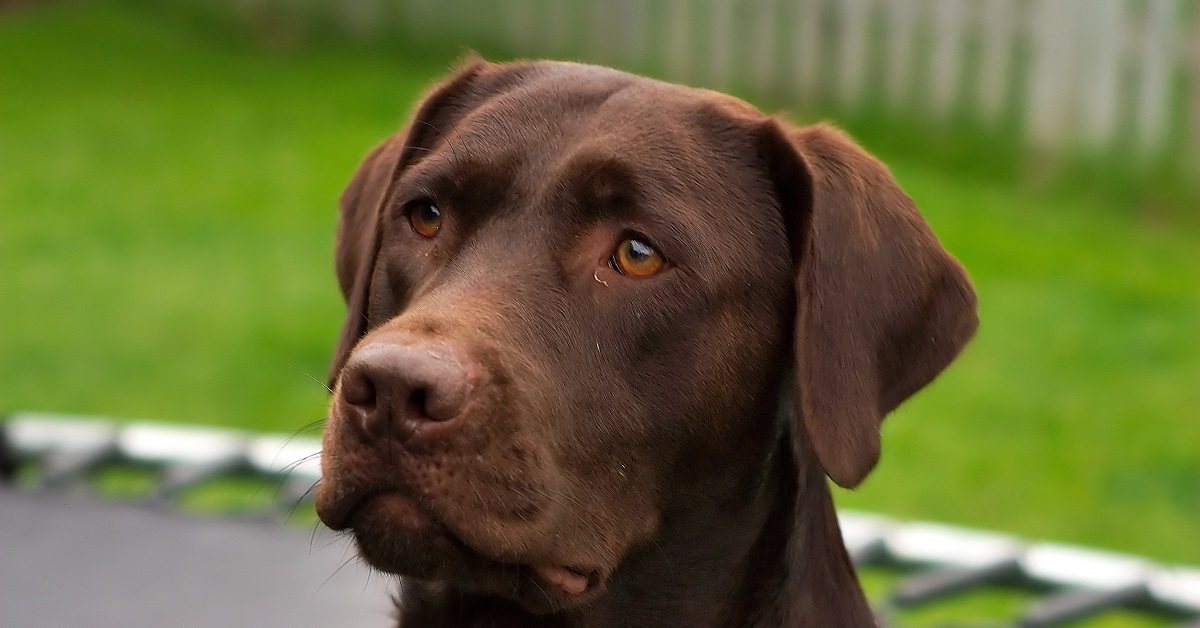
(70, 557)
(76, 561)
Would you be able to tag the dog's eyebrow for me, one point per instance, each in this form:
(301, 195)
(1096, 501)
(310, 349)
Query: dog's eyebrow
(469, 184)
(610, 188)
(605, 186)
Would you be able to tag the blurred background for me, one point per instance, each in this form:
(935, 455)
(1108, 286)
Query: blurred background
(169, 172)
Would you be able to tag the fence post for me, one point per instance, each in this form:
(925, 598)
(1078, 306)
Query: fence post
(1051, 80)
(1102, 47)
(998, 42)
(629, 23)
(807, 15)
(418, 14)
(600, 29)
(1193, 168)
(362, 19)
(520, 31)
(478, 22)
(557, 20)
(678, 39)
(764, 38)
(721, 28)
(902, 18)
(950, 22)
(853, 21)
(1153, 102)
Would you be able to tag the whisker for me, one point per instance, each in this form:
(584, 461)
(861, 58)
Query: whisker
(311, 425)
(336, 571)
(441, 134)
(319, 382)
(663, 551)
(338, 536)
(291, 466)
(281, 478)
(300, 500)
(539, 587)
(312, 538)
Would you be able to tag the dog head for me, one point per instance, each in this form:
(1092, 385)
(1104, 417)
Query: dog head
(576, 299)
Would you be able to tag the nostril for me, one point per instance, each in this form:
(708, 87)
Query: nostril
(431, 405)
(418, 405)
(359, 391)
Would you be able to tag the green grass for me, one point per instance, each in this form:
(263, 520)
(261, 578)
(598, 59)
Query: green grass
(166, 220)
(167, 211)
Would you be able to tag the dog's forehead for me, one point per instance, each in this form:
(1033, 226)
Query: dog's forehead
(575, 110)
(576, 126)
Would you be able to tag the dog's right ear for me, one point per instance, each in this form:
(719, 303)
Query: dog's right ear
(363, 201)
(881, 307)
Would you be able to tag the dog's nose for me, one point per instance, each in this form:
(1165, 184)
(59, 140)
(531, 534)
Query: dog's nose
(416, 389)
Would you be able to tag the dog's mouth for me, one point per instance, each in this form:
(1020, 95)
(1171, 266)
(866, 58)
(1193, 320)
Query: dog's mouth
(399, 510)
(569, 580)
(381, 519)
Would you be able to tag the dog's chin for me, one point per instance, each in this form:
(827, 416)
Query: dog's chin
(395, 535)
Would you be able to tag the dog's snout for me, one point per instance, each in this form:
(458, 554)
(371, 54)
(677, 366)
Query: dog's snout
(404, 390)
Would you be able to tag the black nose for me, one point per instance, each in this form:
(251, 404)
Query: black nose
(404, 389)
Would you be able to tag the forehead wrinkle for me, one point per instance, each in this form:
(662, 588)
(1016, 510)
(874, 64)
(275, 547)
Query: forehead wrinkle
(540, 111)
(552, 111)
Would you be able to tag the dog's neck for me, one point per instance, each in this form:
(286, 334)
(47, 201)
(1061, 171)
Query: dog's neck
(822, 588)
(773, 559)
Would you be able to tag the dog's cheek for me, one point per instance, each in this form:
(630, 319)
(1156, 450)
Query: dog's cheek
(616, 522)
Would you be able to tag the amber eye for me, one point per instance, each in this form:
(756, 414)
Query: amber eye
(425, 218)
(636, 258)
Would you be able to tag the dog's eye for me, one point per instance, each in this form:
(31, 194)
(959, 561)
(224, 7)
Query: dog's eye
(636, 258)
(425, 218)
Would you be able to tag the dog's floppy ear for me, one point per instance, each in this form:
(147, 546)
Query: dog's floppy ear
(357, 240)
(881, 307)
(364, 199)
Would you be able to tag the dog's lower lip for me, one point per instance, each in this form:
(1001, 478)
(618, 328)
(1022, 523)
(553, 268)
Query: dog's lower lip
(569, 580)
(335, 514)
(344, 512)
(394, 507)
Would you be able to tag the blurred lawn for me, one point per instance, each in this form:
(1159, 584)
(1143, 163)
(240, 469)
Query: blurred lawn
(166, 220)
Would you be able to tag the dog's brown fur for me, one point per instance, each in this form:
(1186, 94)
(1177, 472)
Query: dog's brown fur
(507, 405)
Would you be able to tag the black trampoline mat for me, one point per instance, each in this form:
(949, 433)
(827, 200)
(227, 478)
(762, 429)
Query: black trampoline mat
(76, 561)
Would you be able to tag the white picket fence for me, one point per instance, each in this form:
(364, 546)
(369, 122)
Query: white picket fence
(1094, 75)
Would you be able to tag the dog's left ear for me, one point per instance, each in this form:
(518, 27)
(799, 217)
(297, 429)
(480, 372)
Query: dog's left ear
(881, 307)
(364, 199)
(357, 235)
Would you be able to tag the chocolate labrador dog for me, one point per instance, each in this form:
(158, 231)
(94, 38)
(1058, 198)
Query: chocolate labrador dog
(607, 337)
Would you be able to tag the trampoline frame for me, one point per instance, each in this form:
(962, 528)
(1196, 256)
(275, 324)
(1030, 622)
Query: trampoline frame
(939, 560)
